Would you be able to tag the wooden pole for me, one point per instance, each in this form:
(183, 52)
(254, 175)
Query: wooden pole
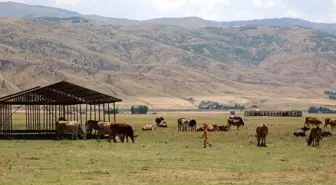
(114, 112)
(90, 112)
(86, 112)
(80, 113)
(104, 112)
(99, 112)
(94, 107)
(11, 120)
(108, 108)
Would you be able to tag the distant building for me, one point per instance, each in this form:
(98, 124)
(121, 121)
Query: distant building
(255, 108)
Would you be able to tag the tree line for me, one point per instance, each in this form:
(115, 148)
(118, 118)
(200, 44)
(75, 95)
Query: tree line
(331, 94)
(323, 110)
(216, 105)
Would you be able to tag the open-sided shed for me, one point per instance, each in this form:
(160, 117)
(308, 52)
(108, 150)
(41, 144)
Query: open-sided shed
(44, 105)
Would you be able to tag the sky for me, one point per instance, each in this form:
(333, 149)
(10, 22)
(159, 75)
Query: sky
(220, 10)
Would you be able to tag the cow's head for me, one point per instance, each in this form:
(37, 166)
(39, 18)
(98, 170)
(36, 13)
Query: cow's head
(134, 137)
(242, 121)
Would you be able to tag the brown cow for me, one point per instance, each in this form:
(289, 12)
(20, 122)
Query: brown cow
(91, 124)
(312, 121)
(235, 121)
(262, 132)
(315, 136)
(122, 128)
(209, 127)
(330, 122)
(105, 128)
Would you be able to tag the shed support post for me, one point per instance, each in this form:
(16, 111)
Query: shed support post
(114, 112)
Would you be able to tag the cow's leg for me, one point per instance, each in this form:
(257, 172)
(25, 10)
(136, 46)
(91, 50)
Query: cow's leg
(258, 141)
(88, 131)
(113, 137)
(122, 137)
(313, 142)
(264, 143)
(98, 137)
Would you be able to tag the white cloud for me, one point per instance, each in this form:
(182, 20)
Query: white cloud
(171, 5)
(333, 13)
(293, 14)
(67, 2)
(265, 3)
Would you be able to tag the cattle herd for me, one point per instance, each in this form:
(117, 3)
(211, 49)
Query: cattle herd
(123, 130)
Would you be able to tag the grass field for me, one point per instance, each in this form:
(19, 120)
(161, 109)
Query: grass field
(165, 156)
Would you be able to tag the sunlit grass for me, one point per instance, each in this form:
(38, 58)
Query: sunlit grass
(166, 156)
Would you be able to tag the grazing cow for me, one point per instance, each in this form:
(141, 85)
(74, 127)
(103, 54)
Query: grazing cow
(262, 132)
(160, 122)
(330, 122)
(103, 128)
(235, 121)
(91, 124)
(222, 128)
(122, 128)
(69, 127)
(192, 125)
(325, 133)
(185, 125)
(301, 132)
(312, 121)
(163, 124)
(149, 127)
(179, 124)
(315, 136)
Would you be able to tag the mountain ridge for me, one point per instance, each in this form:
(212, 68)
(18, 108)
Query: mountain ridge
(8, 9)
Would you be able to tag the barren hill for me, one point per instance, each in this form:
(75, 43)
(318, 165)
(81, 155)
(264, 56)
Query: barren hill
(161, 65)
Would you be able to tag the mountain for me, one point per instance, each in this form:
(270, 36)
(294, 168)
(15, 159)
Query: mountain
(12, 9)
(162, 65)
(195, 22)
(113, 21)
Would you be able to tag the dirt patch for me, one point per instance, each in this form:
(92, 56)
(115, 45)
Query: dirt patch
(236, 176)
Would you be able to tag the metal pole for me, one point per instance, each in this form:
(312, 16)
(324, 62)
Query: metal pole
(108, 108)
(114, 112)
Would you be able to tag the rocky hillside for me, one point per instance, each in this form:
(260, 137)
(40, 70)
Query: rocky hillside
(144, 63)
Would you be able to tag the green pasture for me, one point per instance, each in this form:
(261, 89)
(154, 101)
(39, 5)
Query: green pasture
(166, 156)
